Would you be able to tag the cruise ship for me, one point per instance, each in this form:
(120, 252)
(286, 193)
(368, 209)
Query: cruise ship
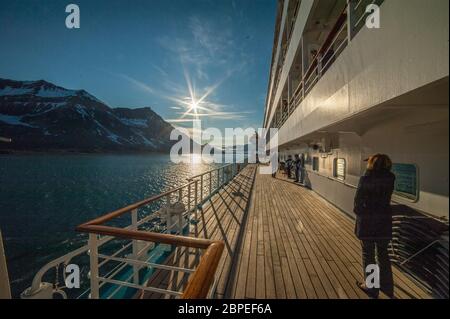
(348, 79)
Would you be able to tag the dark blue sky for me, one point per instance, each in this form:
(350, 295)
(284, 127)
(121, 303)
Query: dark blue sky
(145, 52)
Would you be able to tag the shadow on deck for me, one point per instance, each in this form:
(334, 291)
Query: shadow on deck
(281, 241)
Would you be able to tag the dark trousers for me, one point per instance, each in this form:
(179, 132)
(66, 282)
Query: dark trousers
(299, 175)
(376, 252)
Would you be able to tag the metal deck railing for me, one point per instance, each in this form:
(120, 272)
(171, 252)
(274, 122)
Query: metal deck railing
(126, 247)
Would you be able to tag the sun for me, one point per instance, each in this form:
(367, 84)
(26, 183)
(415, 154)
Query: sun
(194, 106)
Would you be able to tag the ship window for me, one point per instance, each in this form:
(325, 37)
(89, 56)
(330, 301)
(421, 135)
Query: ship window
(406, 181)
(339, 168)
(315, 163)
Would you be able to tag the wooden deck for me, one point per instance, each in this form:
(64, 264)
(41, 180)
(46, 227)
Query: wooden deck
(282, 241)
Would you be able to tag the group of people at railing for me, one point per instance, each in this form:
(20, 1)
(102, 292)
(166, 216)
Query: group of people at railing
(293, 168)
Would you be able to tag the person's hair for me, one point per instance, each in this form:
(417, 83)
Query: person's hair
(379, 162)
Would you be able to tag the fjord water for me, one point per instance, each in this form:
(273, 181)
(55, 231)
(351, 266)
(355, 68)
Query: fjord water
(44, 197)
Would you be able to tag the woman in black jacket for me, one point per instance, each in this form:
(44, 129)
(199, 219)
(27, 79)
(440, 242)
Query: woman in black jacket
(374, 222)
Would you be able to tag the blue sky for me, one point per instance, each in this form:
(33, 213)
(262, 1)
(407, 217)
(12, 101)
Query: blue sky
(153, 53)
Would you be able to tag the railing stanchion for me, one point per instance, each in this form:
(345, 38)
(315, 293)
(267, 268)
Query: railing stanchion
(201, 188)
(210, 183)
(196, 209)
(350, 20)
(93, 256)
(189, 200)
(135, 248)
(218, 179)
(319, 66)
(197, 251)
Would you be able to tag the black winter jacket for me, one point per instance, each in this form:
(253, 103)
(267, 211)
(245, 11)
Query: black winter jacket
(373, 206)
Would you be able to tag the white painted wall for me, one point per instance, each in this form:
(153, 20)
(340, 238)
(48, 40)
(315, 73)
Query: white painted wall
(418, 136)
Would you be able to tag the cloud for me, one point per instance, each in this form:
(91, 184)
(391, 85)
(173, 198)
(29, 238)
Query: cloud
(206, 51)
(208, 44)
(138, 84)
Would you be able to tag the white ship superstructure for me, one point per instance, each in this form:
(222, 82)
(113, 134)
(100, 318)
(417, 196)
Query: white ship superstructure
(352, 78)
(340, 91)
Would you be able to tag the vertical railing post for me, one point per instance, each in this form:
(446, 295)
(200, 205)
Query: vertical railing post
(319, 66)
(210, 183)
(350, 20)
(197, 251)
(201, 188)
(168, 215)
(189, 198)
(223, 175)
(93, 256)
(196, 209)
(303, 90)
(135, 246)
(180, 224)
(218, 179)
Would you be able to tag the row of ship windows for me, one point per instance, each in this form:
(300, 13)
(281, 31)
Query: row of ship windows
(406, 182)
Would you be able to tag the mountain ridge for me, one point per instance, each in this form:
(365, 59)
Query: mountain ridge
(41, 116)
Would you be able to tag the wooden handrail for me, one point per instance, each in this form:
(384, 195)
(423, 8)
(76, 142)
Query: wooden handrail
(145, 236)
(201, 280)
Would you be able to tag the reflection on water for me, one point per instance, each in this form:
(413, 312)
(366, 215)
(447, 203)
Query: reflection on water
(44, 197)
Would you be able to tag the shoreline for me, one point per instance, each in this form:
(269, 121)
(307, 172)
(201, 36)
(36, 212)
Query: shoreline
(78, 152)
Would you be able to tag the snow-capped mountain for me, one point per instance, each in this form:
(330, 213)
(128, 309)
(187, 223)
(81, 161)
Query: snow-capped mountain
(38, 115)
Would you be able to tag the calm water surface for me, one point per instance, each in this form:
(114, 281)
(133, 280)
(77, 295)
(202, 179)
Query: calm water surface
(44, 197)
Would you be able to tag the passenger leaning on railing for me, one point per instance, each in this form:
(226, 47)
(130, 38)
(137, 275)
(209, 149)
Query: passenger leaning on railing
(374, 222)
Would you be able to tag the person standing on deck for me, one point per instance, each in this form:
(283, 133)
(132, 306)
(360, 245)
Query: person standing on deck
(297, 168)
(302, 169)
(374, 223)
(289, 166)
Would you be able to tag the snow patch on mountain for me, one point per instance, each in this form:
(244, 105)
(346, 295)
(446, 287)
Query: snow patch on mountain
(13, 120)
(54, 92)
(134, 122)
(146, 140)
(110, 135)
(82, 110)
(10, 91)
